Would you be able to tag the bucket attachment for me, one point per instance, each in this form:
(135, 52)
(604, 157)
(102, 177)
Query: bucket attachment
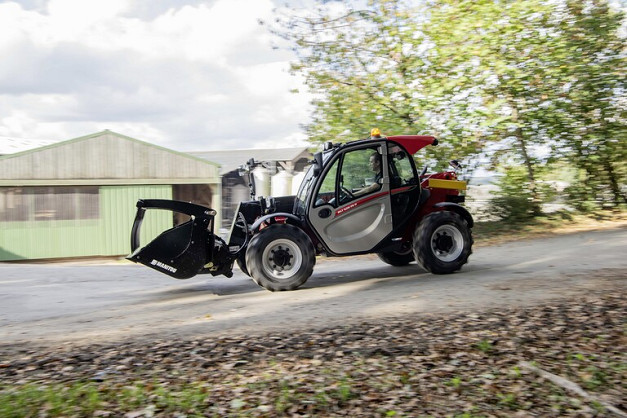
(182, 251)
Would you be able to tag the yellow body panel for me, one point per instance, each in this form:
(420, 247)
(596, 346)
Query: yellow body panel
(447, 184)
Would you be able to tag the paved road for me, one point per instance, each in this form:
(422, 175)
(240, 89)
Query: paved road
(88, 303)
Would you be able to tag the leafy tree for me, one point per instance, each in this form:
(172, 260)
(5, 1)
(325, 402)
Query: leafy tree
(529, 81)
(593, 102)
(505, 48)
(552, 80)
(372, 67)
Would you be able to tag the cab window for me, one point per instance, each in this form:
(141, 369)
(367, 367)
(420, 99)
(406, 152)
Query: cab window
(400, 167)
(361, 174)
(326, 192)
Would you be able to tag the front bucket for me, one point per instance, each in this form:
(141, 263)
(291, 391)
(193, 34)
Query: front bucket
(180, 252)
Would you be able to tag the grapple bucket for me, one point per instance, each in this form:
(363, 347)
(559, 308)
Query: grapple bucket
(182, 251)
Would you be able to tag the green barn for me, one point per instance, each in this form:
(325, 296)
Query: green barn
(77, 198)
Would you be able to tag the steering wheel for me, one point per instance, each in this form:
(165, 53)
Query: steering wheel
(348, 192)
(345, 194)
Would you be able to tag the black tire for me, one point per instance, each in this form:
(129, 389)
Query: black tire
(442, 242)
(397, 259)
(241, 263)
(280, 257)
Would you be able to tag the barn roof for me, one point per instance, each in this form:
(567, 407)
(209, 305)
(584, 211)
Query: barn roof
(105, 158)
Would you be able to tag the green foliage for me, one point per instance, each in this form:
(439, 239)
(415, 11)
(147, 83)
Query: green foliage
(509, 400)
(485, 346)
(592, 109)
(368, 68)
(527, 81)
(84, 399)
(515, 202)
(455, 382)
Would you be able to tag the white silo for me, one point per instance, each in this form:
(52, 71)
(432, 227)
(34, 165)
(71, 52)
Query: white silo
(282, 184)
(262, 181)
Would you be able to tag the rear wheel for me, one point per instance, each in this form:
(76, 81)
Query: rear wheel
(442, 242)
(397, 258)
(280, 257)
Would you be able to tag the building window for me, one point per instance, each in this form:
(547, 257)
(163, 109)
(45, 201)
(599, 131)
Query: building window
(49, 203)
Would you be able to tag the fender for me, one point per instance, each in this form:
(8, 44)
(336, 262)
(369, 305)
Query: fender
(258, 222)
(460, 210)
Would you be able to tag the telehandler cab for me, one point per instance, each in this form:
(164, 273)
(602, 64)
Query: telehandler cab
(360, 197)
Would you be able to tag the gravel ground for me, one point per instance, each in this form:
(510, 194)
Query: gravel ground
(473, 363)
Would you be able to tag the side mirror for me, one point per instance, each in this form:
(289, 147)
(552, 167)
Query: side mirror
(317, 164)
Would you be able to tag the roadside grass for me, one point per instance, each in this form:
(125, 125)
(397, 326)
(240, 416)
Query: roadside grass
(353, 386)
(495, 232)
(276, 394)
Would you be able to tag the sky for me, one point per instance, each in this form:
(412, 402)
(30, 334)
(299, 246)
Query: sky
(190, 75)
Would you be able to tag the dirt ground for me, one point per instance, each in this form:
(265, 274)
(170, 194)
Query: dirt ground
(467, 359)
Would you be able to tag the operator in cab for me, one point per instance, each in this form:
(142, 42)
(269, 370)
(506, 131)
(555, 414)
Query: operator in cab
(375, 166)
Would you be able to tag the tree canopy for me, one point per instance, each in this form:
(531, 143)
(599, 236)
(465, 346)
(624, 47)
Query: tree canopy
(530, 82)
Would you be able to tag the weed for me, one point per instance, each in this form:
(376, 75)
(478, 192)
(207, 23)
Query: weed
(404, 378)
(508, 400)
(516, 372)
(594, 378)
(455, 382)
(485, 346)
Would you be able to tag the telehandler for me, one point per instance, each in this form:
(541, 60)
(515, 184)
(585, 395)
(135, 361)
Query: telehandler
(361, 197)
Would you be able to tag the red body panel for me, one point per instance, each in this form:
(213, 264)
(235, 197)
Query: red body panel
(413, 143)
(437, 195)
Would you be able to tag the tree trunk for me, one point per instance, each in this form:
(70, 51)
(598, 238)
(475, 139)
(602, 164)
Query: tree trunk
(611, 174)
(531, 177)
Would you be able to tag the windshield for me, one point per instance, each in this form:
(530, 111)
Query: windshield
(303, 192)
(308, 183)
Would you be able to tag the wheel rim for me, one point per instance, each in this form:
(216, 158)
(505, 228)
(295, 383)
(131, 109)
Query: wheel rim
(282, 259)
(447, 243)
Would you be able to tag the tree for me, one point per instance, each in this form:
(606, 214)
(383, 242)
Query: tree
(506, 48)
(592, 109)
(529, 81)
(552, 78)
(372, 68)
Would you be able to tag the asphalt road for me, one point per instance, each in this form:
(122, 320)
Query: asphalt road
(78, 302)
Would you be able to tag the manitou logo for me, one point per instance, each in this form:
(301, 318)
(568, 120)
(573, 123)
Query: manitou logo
(346, 208)
(163, 266)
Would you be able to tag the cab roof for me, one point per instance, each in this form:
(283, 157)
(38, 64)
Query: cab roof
(413, 143)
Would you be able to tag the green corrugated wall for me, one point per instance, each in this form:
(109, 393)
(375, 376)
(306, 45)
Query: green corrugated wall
(109, 235)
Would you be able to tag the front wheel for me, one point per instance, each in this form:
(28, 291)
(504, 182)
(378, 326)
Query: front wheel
(442, 242)
(280, 257)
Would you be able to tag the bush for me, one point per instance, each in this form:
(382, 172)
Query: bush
(514, 202)
(514, 208)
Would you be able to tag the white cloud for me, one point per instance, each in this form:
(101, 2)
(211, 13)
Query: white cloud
(189, 74)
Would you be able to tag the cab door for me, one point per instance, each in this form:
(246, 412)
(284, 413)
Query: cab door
(344, 220)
